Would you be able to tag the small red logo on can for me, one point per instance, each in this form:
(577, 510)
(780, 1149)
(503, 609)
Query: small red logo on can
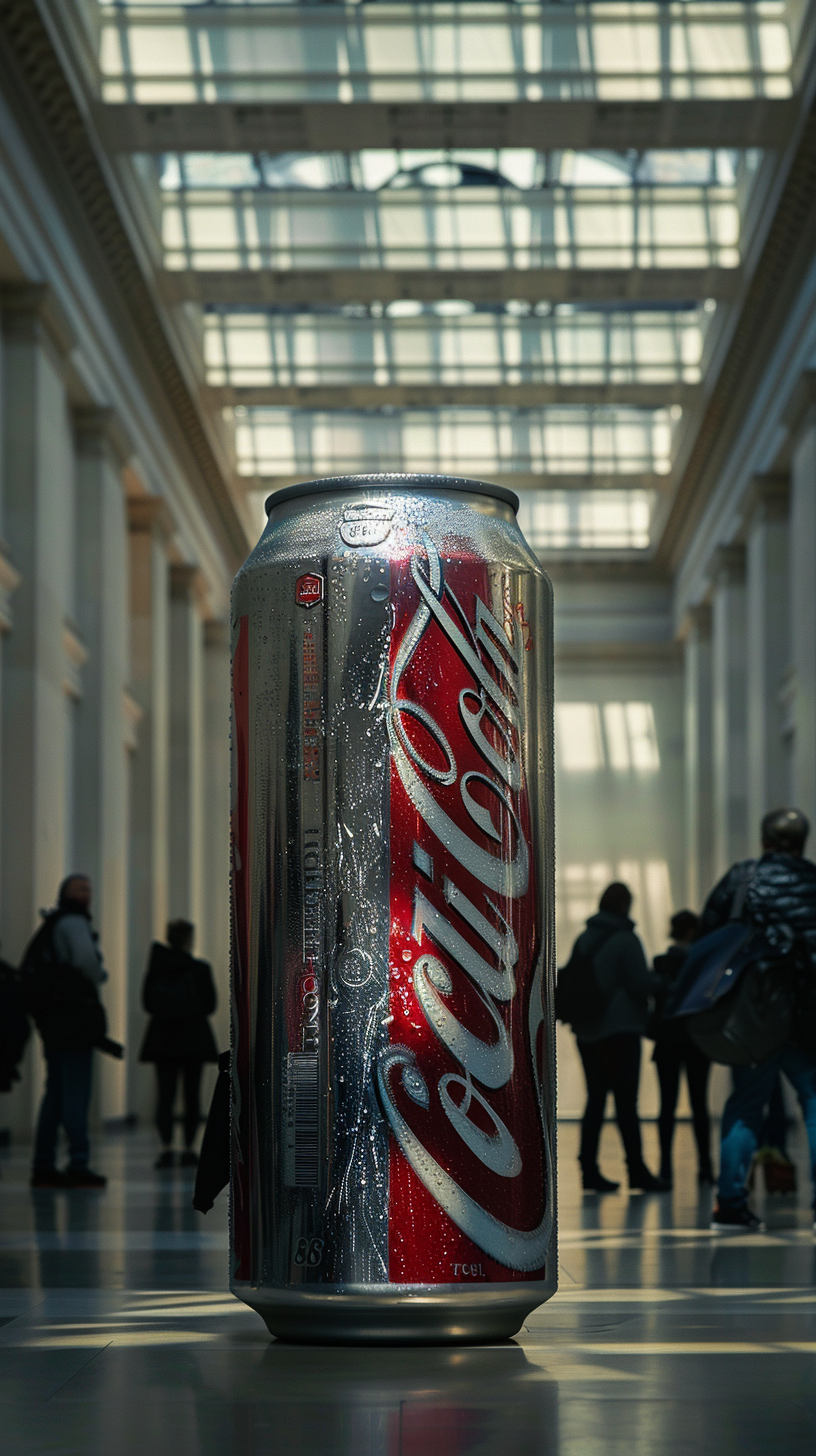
(309, 589)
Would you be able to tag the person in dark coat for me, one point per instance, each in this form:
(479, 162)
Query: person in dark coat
(675, 1050)
(610, 1047)
(179, 994)
(777, 895)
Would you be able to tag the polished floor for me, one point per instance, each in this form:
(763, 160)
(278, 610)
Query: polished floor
(118, 1336)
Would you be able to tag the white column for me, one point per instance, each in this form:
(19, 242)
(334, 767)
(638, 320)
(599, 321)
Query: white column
(214, 940)
(729, 748)
(186, 827)
(100, 840)
(803, 621)
(38, 525)
(698, 752)
(768, 647)
(149, 524)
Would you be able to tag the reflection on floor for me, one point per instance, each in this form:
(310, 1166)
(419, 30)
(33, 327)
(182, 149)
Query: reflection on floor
(118, 1337)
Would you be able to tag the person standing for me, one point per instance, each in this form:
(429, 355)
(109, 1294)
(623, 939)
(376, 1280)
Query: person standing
(674, 1050)
(62, 972)
(777, 894)
(610, 1046)
(179, 995)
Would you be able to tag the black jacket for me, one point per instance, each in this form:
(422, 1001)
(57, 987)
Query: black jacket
(672, 1031)
(14, 1027)
(780, 901)
(179, 994)
(623, 976)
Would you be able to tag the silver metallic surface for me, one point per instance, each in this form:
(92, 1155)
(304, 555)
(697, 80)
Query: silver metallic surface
(315, 1070)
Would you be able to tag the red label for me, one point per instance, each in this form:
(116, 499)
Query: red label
(309, 589)
(470, 1188)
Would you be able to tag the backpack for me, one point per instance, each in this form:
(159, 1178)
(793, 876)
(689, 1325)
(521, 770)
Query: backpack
(63, 1003)
(579, 999)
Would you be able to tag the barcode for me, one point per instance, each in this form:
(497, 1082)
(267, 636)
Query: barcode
(300, 1163)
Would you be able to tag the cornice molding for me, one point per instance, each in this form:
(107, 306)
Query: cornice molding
(100, 428)
(785, 256)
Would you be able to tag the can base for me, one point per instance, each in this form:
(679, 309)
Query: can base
(409, 1315)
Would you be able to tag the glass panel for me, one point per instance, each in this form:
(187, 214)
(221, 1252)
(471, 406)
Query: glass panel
(612, 520)
(476, 52)
(567, 347)
(576, 227)
(475, 442)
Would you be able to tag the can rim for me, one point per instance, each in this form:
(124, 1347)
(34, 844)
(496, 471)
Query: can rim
(393, 478)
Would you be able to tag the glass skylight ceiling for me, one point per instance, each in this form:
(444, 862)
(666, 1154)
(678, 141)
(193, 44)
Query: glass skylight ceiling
(574, 212)
(568, 347)
(592, 224)
(481, 52)
(275, 444)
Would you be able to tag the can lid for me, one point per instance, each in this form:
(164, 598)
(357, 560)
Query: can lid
(394, 480)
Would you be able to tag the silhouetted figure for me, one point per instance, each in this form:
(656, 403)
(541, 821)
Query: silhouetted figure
(778, 894)
(674, 1050)
(14, 1027)
(610, 1045)
(179, 994)
(62, 971)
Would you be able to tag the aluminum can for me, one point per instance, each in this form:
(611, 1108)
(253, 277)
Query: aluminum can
(393, 1066)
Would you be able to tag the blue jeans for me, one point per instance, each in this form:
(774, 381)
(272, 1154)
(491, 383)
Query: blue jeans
(66, 1100)
(744, 1110)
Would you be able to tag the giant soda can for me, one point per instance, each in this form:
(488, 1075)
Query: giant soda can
(393, 1138)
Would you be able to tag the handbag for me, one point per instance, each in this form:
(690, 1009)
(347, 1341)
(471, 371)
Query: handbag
(737, 999)
(753, 1020)
(712, 969)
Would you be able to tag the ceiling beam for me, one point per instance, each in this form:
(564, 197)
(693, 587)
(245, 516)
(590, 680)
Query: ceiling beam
(520, 480)
(264, 286)
(335, 126)
(433, 396)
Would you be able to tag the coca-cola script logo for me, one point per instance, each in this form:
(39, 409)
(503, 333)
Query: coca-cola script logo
(460, 1082)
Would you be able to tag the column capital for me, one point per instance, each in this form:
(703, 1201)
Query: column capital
(727, 565)
(801, 407)
(31, 310)
(149, 513)
(768, 496)
(98, 428)
(696, 621)
(188, 581)
(217, 635)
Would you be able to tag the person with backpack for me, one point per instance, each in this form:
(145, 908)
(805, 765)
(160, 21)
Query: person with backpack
(604, 992)
(62, 971)
(776, 895)
(179, 994)
(674, 1050)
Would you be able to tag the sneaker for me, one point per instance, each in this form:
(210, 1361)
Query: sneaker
(595, 1182)
(189, 1159)
(645, 1182)
(47, 1178)
(729, 1219)
(166, 1159)
(78, 1177)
